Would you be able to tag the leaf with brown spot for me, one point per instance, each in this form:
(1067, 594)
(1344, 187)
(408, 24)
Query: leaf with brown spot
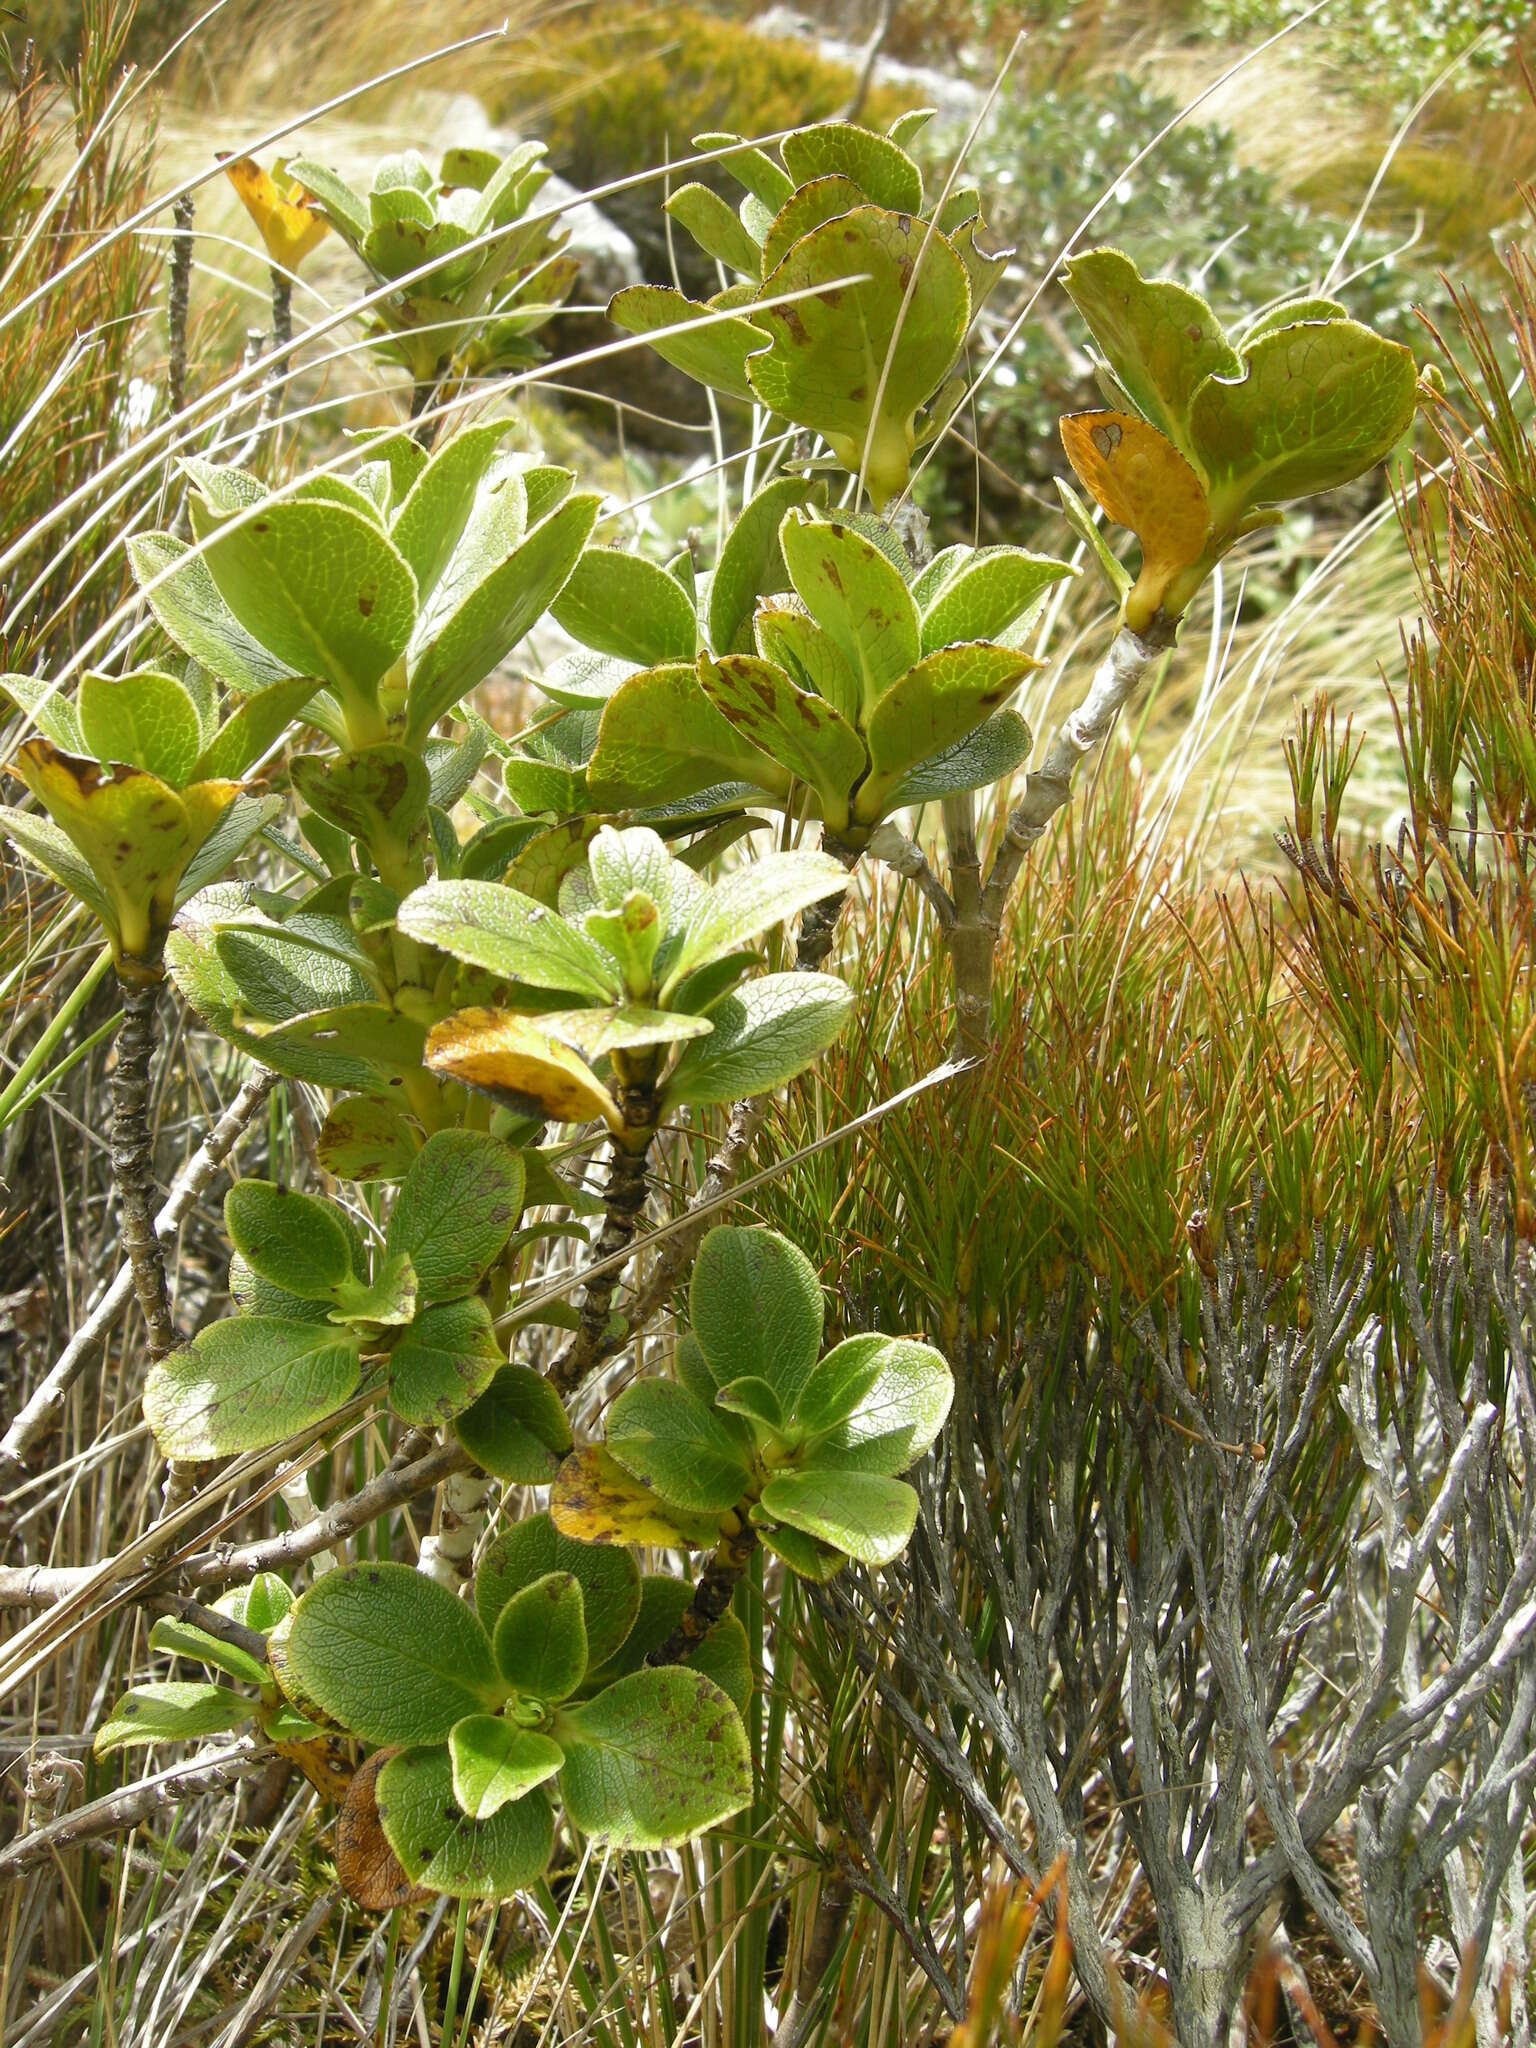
(595, 1500)
(1142, 482)
(326, 1761)
(369, 1870)
(937, 703)
(508, 1057)
(800, 731)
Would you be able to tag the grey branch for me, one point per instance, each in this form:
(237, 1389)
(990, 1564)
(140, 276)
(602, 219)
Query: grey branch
(41, 1413)
(119, 1811)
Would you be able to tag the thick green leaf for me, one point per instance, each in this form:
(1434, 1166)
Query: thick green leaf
(756, 1309)
(864, 1514)
(344, 208)
(985, 756)
(446, 1360)
(512, 936)
(596, 1032)
(248, 1382)
(1291, 313)
(752, 168)
(532, 1548)
(662, 1435)
(818, 1562)
(661, 739)
(189, 607)
(722, 1655)
(378, 795)
(427, 527)
(443, 1849)
(517, 1430)
(387, 1037)
(623, 605)
(583, 681)
(261, 1605)
(705, 343)
(364, 1139)
(800, 731)
(764, 892)
(253, 727)
(808, 655)
(1313, 407)
(940, 700)
(296, 1241)
(875, 1404)
(751, 563)
(495, 1762)
(880, 167)
(45, 705)
(170, 1711)
(765, 1034)
(145, 719)
(1161, 341)
(984, 597)
(254, 1296)
(833, 353)
(184, 1639)
(821, 199)
(319, 585)
(540, 1638)
(858, 597)
(456, 652)
(656, 1758)
(1116, 577)
(388, 1653)
(716, 227)
(456, 1209)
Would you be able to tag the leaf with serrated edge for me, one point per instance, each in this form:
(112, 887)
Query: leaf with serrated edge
(832, 353)
(145, 719)
(983, 757)
(1316, 406)
(936, 704)
(881, 168)
(1161, 340)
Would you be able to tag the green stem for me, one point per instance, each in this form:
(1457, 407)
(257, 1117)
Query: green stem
(455, 1971)
(68, 1011)
(387, 1990)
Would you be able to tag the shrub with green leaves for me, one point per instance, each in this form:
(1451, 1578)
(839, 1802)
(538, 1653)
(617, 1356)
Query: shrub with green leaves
(760, 1424)
(463, 274)
(492, 987)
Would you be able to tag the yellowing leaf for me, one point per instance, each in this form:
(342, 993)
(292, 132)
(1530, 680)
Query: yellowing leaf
(595, 1500)
(509, 1057)
(291, 223)
(1142, 482)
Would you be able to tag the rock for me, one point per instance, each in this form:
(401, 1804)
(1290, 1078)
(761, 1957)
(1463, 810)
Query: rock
(953, 99)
